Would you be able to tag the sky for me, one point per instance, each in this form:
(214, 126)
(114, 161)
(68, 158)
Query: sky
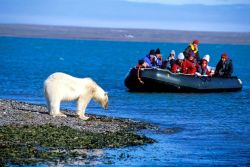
(191, 15)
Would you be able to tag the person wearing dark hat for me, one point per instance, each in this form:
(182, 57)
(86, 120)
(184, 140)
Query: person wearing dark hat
(192, 49)
(224, 68)
(151, 59)
(159, 57)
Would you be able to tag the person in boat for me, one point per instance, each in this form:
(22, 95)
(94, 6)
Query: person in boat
(182, 65)
(192, 59)
(151, 59)
(159, 57)
(168, 63)
(141, 64)
(192, 49)
(224, 68)
(204, 68)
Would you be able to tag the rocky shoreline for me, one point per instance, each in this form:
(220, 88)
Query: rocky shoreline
(28, 134)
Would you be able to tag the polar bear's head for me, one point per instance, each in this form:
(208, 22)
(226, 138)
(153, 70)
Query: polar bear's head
(101, 97)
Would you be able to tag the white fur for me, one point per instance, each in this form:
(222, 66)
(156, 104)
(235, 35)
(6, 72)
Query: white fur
(63, 87)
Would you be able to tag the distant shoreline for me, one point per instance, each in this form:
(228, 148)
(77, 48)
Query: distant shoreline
(122, 34)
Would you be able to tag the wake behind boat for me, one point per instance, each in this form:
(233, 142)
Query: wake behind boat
(161, 80)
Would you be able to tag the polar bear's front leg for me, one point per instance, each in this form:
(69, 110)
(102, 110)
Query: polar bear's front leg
(81, 107)
(54, 108)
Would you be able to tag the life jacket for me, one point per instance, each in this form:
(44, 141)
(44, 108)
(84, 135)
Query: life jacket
(195, 50)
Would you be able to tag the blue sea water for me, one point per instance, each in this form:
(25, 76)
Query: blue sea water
(208, 128)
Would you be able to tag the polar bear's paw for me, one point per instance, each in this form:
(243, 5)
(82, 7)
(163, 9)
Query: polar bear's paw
(84, 118)
(59, 114)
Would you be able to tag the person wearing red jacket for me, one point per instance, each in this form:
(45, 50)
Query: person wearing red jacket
(183, 66)
(192, 59)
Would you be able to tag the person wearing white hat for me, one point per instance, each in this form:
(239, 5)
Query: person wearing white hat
(205, 69)
(172, 52)
(206, 57)
(183, 66)
(181, 56)
(168, 63)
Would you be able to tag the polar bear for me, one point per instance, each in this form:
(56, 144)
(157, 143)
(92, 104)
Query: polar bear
(63, 87)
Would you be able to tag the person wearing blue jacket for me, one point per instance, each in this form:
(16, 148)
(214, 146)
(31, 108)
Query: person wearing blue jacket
(152, 60)
(159, 57)
(224, 68)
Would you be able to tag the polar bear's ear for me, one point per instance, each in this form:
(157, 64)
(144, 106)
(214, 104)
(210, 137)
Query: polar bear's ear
(105, 93)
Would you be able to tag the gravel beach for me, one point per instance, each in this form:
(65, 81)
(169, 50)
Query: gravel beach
(26, 128)
(20, 113)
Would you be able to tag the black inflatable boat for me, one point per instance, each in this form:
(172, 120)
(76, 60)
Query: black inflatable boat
(159, 80)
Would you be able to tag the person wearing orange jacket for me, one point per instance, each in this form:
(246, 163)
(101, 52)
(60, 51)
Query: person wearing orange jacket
(183, 66)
